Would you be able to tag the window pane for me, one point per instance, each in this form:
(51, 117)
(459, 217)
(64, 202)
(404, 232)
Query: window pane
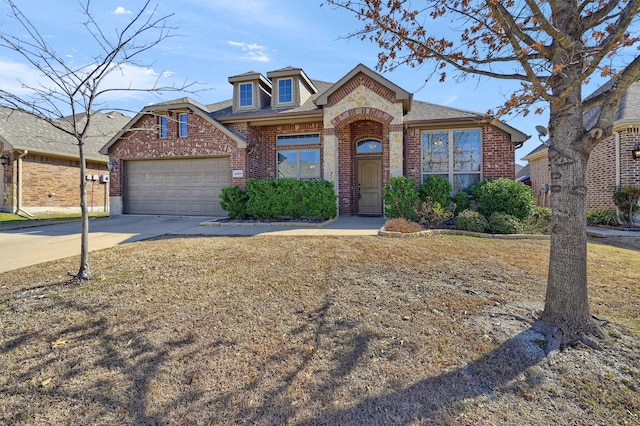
(246, 94)
(369, 146)
(287, 161)
(183, 125)
(313, 138)
(435, 151)
(285, 92)
(163, 126)
(466, 151)
(310, 163)
(462, 182)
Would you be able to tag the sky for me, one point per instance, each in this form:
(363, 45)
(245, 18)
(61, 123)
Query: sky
(215, 39)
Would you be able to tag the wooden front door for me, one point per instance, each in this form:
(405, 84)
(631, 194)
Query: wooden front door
(370, 186)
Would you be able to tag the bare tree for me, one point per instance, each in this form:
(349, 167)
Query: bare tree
(551, 48)
(78, 88)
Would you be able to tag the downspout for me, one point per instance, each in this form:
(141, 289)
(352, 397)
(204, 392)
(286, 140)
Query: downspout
(19, 208)
(618, 178)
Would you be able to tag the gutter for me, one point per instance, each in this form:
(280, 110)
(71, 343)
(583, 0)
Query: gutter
(19, 208)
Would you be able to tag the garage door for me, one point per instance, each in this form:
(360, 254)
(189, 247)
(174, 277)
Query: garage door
(188, 187)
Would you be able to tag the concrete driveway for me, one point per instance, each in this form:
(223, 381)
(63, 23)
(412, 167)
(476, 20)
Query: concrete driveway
(33, 245)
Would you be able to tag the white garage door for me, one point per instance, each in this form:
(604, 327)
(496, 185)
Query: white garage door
(188, 187)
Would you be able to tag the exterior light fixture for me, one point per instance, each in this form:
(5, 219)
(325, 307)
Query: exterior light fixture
(5, 160)
(635, 153)
(112, 165)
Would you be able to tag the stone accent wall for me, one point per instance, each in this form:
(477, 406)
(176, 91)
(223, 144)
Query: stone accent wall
(361, 108)
(203, 140)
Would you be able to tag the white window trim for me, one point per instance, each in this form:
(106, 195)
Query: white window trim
(298, 175)
(240, 94)
(280, 102)
(450, 173)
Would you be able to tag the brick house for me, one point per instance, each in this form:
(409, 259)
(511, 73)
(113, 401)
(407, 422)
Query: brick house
(611, 163)
(174, 157)
(40, 164)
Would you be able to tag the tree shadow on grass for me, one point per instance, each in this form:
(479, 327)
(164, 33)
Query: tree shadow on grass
(103, 372)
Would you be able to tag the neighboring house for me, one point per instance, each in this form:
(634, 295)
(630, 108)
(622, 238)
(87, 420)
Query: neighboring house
(611, 163)
(40, 164)
(175, 157)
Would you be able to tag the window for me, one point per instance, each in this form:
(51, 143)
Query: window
(369, 146)
(246, 94)
(162, 131)
(312, 138)
(455, 155)
(183, 125)
(299, 164)
(285, 91)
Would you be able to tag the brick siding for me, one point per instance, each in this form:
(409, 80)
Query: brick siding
(203, 140)
(50, 183)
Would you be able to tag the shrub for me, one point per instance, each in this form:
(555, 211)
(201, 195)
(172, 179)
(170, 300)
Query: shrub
(431, 212)
(504, 223)
(234, 200)
(626, 199)
(469, 220)
(462, 202)
(437, 189)
(276, 198)
(539, 222)
(400, 198)
(402, 225)
(504, 195)
(606, 217)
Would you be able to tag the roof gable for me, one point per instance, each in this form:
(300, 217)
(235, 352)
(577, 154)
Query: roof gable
(178, 104)
(400, 95)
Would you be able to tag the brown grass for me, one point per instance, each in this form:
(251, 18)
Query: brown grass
(324, 330)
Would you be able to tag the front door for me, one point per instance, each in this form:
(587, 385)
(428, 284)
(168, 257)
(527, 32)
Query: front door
(370, 186)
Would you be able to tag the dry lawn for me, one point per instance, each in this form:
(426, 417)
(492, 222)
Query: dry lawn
(335, 331)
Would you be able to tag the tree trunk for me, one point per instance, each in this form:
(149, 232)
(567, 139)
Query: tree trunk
(566, 310)
(83, 272)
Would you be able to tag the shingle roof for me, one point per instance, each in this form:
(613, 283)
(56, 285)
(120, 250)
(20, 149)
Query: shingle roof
(628, 108)
(20, 130)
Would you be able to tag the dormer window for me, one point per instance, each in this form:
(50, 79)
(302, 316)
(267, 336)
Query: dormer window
(285, 91)
(246, 94)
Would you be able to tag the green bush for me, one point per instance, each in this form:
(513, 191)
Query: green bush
(539, 222)
(606, 217)
(470, 220)
(400, 198)
(462, 202)
(504, 223)
(234, 200)
(431, 212)
(437, 189)
(626, 199)
(291, 198)
(504, 195)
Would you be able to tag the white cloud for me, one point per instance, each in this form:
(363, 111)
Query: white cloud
(252, 52)
(121, 11)
(15, 76)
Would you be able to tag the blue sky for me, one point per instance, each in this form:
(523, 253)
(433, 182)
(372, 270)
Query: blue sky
(215, 39)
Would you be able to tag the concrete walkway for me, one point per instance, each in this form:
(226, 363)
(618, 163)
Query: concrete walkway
(33, 245)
